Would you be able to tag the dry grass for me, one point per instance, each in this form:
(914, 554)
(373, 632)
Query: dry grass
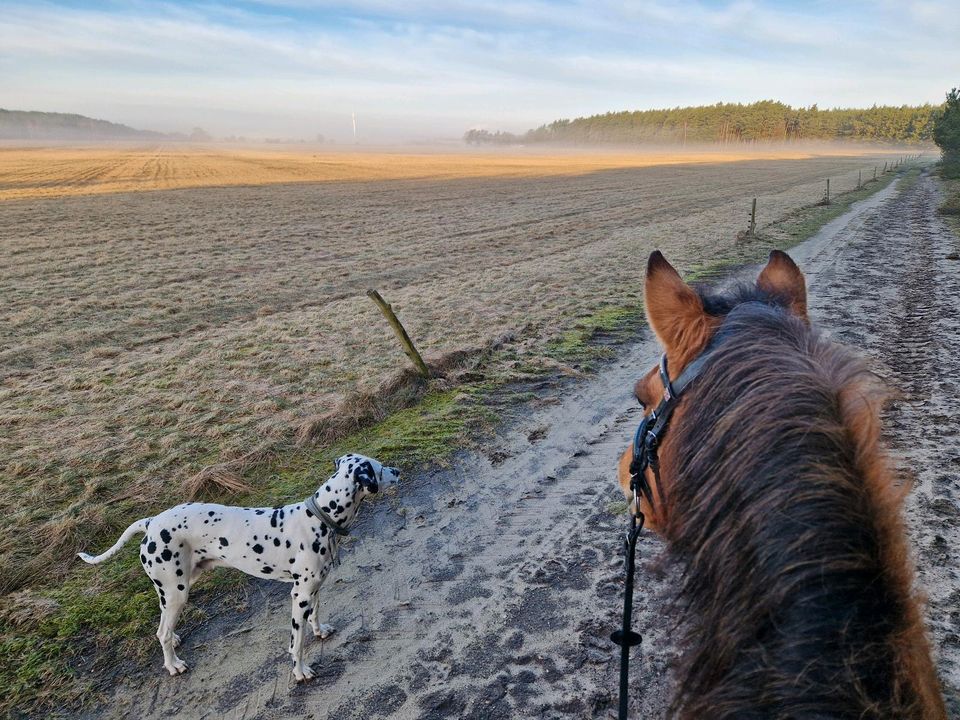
(27, 172)
(145, 337)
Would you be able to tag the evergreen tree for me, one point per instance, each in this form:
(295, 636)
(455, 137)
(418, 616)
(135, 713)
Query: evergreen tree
(946, 133)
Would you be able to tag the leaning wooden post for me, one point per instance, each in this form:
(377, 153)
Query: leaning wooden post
(401, 333)
(859, 179)
(884, 167)
(874, 172)
(753, 217)
(827, 197)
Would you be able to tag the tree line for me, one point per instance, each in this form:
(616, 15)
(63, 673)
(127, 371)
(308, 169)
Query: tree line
(725, 123)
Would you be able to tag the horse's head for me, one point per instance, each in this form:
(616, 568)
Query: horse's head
(684, 322)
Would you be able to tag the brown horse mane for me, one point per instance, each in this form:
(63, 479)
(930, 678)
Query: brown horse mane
(781, 509)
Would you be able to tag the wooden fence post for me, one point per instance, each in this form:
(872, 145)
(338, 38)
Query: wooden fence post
(401, 333)
(753, 217)
(827, 196)
(859, 179)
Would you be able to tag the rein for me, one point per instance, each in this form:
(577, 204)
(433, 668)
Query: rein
(646, 441)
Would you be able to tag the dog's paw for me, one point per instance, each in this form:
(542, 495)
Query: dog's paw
(323, 631)
(178, 667)
(302, 672)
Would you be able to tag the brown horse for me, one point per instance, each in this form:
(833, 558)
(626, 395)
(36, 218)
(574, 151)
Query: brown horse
(779, 503)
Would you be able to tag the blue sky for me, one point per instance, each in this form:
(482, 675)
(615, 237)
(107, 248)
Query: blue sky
(424, 69)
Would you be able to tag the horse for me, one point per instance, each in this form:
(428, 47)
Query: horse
(772, 491)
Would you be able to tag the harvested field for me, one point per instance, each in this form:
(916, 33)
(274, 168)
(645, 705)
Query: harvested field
(148, 335)
(145, 336)
(27, 172)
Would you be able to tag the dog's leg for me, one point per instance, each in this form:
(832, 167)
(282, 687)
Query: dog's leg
(302, 599)
(320, 630)
(172, 600)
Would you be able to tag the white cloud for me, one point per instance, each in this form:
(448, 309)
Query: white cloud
(432, 67)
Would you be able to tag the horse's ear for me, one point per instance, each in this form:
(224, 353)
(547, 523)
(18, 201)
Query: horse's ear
(674, 310)
(782, 277)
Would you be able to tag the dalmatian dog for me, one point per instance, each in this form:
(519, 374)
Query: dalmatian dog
(295, 543)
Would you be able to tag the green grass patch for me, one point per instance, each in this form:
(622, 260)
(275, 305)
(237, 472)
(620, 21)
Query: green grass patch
(110, 612)
(581, 344)
(951, 202)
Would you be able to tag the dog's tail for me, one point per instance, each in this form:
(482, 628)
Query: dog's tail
(138, 527)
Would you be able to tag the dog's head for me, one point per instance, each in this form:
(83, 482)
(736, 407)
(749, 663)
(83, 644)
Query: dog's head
(367, 475)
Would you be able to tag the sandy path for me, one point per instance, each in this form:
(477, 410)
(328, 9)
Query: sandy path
(488, 590)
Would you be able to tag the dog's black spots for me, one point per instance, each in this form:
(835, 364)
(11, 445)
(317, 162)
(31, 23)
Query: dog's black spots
(309, 514)
(292, 560)
(258, 512)
(333, 504)
(166, 554)
(293, 621)
(276, 542)
(211, 513)
(157, 583)
(165, 535)
(143, 559)
(306, 613)
(224, 542)
(281, 513)
(163, 601)
(316, 546)
(205, 522)
(327, 488)
(258, 548)
(149, 563)
(180, 587)
(303, 603)
(295, 576)
(323, 551)
(255, 537)
(288, 544)
(267, 570)
(152, 548)
(323, 531)
(273, 519)
(179, 572)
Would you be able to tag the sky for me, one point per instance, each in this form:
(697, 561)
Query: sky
(421, 70)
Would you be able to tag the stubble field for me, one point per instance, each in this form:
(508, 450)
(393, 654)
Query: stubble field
(145, 336)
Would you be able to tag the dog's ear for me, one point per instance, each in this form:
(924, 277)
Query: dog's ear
(365, 475)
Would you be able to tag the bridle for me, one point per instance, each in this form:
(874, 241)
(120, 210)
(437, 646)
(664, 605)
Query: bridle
(646, 441)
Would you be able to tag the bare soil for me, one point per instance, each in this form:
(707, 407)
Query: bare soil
(488, 590)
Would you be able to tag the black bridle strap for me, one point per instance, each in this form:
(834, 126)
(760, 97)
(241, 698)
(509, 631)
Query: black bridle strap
(646, 441)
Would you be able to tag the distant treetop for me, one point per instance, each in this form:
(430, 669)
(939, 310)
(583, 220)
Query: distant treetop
(766, 121)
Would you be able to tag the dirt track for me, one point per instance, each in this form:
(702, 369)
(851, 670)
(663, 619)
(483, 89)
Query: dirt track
(488, 590)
